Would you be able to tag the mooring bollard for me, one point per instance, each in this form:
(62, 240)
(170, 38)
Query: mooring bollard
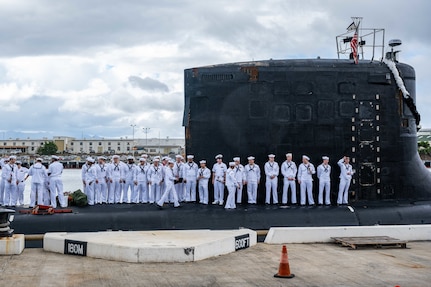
(6, 217)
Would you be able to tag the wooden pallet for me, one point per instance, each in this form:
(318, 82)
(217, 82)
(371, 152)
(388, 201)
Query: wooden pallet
(370, 241)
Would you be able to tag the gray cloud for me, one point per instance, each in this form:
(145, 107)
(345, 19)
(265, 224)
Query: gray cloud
(148, 84)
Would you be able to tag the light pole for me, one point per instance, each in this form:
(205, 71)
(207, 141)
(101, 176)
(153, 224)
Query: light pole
(146, 131)
(133, 139)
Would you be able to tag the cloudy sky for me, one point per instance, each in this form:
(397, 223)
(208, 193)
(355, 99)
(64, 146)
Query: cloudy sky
(96, 67)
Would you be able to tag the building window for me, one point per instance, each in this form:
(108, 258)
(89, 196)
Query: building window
(14, 144)
(118, 148)
(71, 143)
(152, 150)
(91, 143)
(23, 143)
(128, 143)
(109, 148)
(80, 143)
(100, 143)
(32, 148)
(32, 143)
(109, 143)
(41, 143)
(128, 148)
(4, 143)
(118, 143)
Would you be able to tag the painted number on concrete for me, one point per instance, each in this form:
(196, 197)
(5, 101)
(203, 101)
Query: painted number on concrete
(73, 247)
(242, 242)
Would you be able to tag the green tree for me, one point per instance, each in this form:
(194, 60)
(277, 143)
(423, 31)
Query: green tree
(48, 148)
(424, 147)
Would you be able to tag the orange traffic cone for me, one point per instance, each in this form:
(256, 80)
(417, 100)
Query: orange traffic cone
(284, 268)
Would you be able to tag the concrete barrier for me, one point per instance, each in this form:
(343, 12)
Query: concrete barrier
(151, 246)
(280, 235)
(13, 245)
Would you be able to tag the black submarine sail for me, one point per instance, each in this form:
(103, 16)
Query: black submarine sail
(316, 107)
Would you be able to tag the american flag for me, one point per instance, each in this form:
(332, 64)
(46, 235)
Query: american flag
(354, 46)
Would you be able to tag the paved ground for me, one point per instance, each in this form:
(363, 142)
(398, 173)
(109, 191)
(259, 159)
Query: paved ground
(313, 265)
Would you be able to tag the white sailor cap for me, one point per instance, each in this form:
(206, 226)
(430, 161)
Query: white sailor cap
(237, 158)
(165, 158)
(325, 157)
(231, 163)
(203, 161)
(171, 161)
(55, 157)
(144, 155)
(142, 159)
(18, 162)
(90, 159)
(178, 156)
(271, 155)
(115, 156)
(156, 158)
(250, 158)
(190, 156)
(39, 159)
(130, 157)
(102, 157)
(12, 157)
(218, 156)
(305, 157)
(288, 154)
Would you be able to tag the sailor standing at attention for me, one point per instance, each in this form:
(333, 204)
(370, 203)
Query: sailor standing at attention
(289, 170)
(218, 180)
(179, 177)
(240, 178)
(252, 179)
(89, 180)
(155, 179)
(324, 176)
(142, 181)
(169, 179)
(22, 172)
(232, 185)
(204, 175)
(101, 191)
(271, 170)
(11, 171)
(190, 177)
(345, 178)
(129, 183)
(55, 170)
(38, 175)
(305, 179)
(3, 162)
(116, 175)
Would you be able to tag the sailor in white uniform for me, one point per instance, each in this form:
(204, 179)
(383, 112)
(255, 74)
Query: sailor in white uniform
(346, 174)
(240, 178)
(204, 174)
(164, 165)
(232, 186)
(38, 175)
(324, 175)
(305, 179)
(116, 173)
(190, 176)
(89, 179)
(218, 179)
(289, 170)
(129, 184)
(179, 177)
(55, 170)
(11, 172)
(252, 175)
(141, 176)
(22, 173)
(169, 179)
(155, 179)
(3, 162)
(271, 170)
(101, 188)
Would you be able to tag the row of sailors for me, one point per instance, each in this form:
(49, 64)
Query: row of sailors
(174, 181)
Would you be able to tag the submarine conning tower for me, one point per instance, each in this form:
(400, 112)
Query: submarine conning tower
(316, 107)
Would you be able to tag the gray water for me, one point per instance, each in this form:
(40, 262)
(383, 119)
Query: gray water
(71, 182)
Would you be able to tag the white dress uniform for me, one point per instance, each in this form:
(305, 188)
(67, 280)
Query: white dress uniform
(324, 175)
(10, 194)
(219, 173)
(55, 169)
(178, 173)
(252, 173)
(169, 190)
(116, 173)
(289, 170)
(38, 175)
(155, 178)
(271, 170)
(231, 185)
(3, 162)
(130, 183)
(22, 172)
(204, 174)
(90, 176)
(305, 176)
(190, 175)
(141, 172)
(345, 178)
(240, 178)
(101, 191)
